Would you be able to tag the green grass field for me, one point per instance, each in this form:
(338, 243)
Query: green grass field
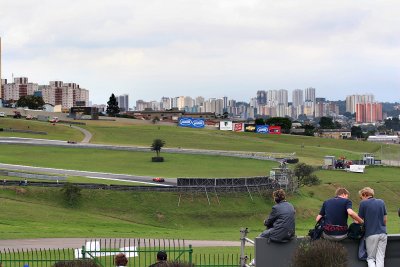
(39, 212)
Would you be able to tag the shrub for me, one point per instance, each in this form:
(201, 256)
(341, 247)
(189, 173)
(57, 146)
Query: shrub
(71, 194)
(311, 180)
(320, 253)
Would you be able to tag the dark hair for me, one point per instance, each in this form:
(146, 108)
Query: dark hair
(162, 255)
(120, 259)
(279, 195)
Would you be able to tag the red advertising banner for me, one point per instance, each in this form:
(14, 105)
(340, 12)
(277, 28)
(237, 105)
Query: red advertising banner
(274, 129)
(238, 127)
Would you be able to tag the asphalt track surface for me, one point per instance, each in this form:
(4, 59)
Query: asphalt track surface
(60, 243)
(98, 175)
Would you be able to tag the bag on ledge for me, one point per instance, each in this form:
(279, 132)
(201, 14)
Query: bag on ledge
(316, 233)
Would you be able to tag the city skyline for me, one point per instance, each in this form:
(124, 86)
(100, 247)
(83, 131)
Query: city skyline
(150, 49)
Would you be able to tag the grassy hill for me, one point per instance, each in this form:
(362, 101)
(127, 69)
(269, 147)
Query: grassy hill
(39, 212)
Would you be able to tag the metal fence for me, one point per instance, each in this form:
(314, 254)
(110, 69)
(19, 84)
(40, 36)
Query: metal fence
(140, 253)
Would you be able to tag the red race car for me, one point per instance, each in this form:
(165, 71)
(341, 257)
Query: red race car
(158, 180)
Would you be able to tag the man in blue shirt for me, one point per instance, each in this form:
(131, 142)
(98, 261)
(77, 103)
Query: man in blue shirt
(373, 211)
(335, 212)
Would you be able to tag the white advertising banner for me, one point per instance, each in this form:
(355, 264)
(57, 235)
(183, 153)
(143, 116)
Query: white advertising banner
(225, 125)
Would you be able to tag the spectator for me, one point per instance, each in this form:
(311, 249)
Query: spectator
(335, 212)
(281, 221)
(161, 259)
(121, 260)
(373, 211)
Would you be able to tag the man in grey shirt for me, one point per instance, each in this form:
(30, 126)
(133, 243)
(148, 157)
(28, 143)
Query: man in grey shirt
(281, 221)
(373, 211)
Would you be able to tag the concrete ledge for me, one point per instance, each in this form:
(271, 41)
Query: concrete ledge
(280, 254)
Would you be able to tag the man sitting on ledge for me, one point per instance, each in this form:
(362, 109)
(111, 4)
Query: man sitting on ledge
(281, 221)
(335, 212)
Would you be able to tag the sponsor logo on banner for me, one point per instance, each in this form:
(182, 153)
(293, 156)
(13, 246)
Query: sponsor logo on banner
(250, 128)
(191, 122)
(262, 129)
(225, 125)
(185, 122)
(275, 129)
(198, 123)
(238, 127)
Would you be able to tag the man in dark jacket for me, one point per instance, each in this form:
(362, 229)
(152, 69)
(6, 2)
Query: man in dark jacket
(281, 221)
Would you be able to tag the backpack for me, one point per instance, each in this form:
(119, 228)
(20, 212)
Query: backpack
(316, 233)
(356, 231)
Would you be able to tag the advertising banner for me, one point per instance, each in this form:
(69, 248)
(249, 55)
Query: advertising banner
(262, 129)
(249, 127)
(198, 123)
(185, 122)
(238, 127)
(191, 122)
(275, 129)
(225, 125)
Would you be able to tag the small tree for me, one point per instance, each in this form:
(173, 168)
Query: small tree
(304, 175)
(112, 106)
(71, 194)
(156, 146)
(31, 102)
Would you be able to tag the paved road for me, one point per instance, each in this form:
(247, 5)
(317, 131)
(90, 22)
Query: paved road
(98, 175)
(54, 243)
(88, 135)
(238, 154)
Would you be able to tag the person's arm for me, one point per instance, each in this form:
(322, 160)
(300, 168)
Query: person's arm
(354, 215)
(318, 218)
(384, 219)
(271, 218)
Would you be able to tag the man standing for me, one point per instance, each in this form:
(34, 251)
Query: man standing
(335, 212)
(281, 221)
(373, 211)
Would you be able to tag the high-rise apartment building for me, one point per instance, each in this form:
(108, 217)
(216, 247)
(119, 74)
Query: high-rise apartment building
(261, 97)
(297, 98)
(19, 88)
(368, 112)
(309, 94)
(123, 102)
(165, 103)
(353, 100)
(65, 94)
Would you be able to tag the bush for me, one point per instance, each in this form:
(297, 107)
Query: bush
(76, 263)
(71, 194)
(311, 180)
(320, 253)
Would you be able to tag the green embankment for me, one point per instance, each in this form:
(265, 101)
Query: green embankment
(39, 212)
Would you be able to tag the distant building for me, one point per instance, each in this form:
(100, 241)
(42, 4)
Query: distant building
(65, 94)
(369, 112)
(19, 88)
(123, 102)
(335, 133)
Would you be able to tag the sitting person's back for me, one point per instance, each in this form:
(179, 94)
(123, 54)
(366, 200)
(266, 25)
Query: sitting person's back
(161, 259)
(281, 221)
(335, 212)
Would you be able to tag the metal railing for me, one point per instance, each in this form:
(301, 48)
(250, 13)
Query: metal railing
(140, 253)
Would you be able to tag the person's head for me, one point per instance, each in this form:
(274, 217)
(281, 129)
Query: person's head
(121, 260)
(342, 192)
(366, 192)
(279, 195)
(162, 255)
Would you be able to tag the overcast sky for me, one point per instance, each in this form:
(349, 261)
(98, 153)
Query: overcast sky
(213, 48)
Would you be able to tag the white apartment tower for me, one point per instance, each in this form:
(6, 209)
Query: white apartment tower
(297, 98)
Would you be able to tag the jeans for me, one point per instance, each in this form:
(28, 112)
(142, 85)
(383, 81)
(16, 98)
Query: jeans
(376, 247)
